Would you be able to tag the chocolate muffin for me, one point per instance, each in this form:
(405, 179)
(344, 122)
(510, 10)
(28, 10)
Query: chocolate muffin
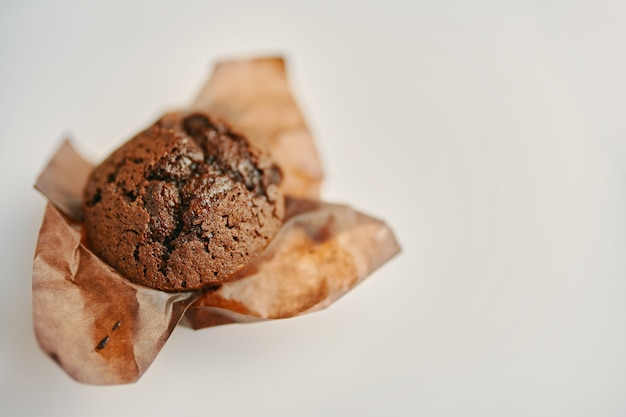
(183, 205)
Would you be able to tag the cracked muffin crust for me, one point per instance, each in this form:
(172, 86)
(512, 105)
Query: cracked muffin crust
(184, 204)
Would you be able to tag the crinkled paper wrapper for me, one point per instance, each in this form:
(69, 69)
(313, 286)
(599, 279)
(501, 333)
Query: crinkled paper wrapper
(103, 329)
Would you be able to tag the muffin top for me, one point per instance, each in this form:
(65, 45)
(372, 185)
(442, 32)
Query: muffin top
(183, 205)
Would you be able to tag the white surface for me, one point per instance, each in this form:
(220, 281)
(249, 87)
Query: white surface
(489, 134)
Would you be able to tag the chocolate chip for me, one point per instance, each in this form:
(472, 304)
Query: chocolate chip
(103, 343)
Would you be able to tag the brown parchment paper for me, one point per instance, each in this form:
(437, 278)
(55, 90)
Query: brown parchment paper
(99, 327)
(102, 329)
(64, 180)
(318, 256)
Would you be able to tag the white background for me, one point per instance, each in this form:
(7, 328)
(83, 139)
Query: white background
(490, 135)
